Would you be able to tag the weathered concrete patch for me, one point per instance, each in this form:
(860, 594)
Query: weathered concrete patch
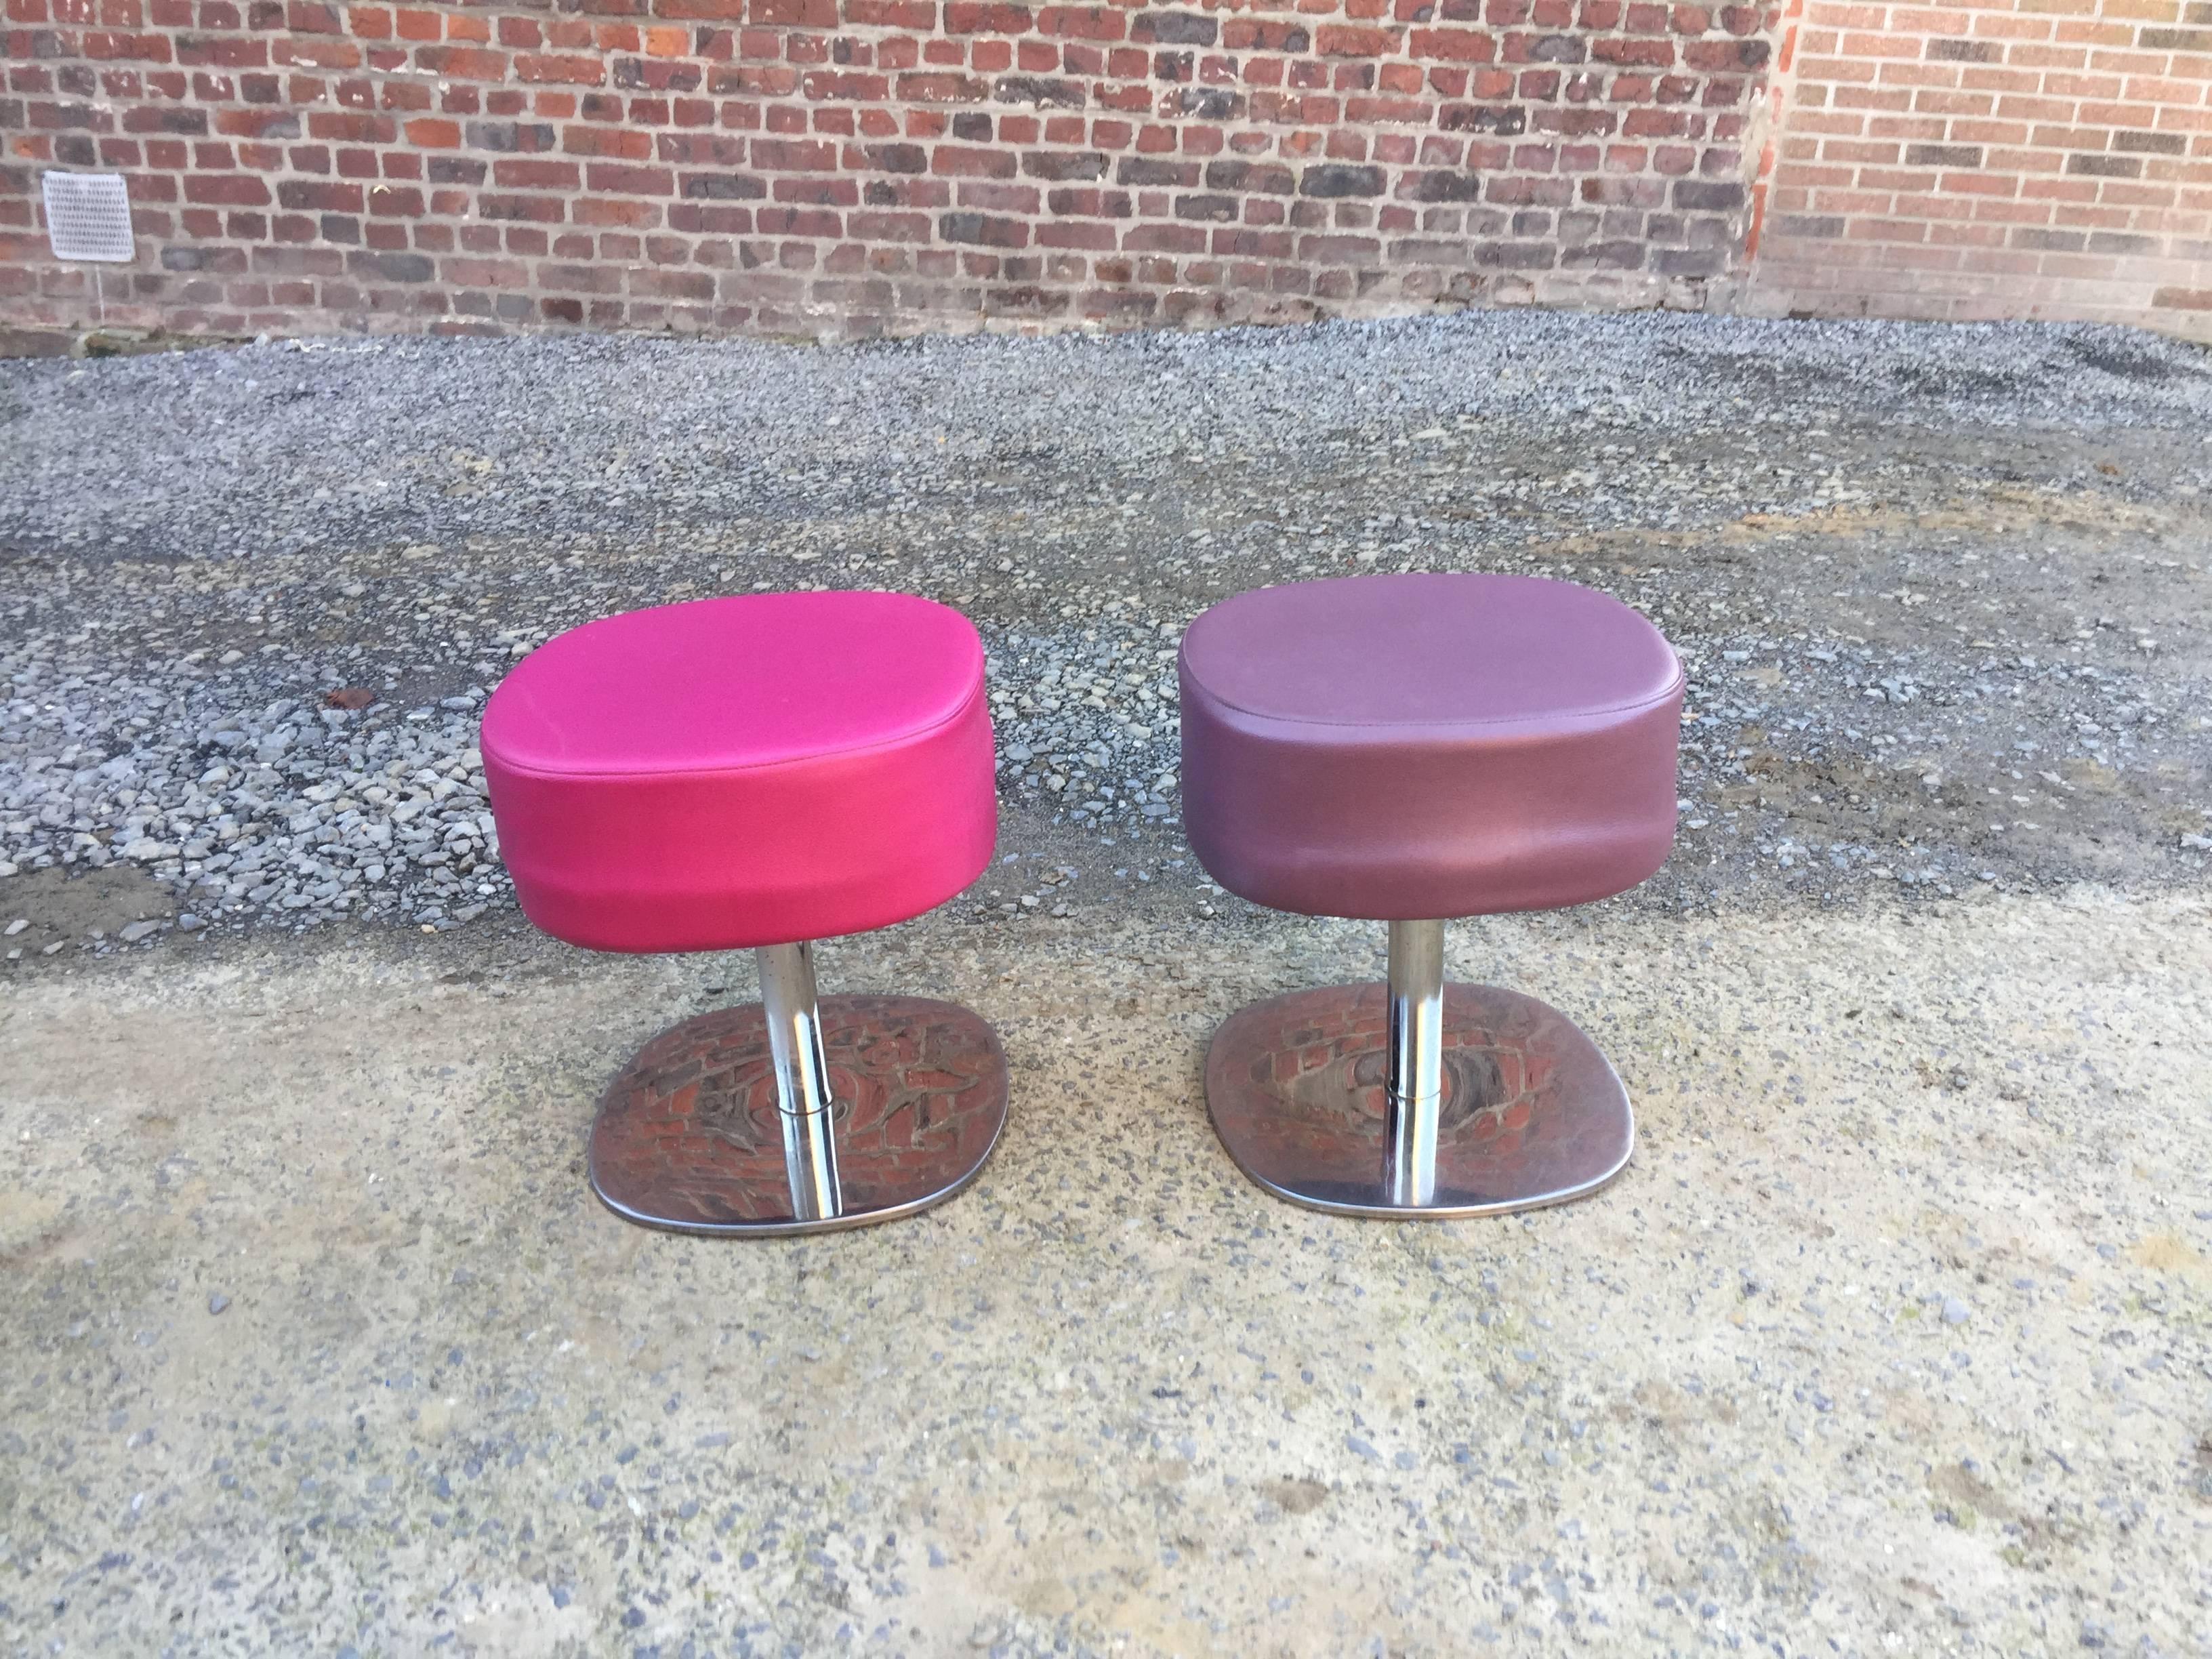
(1895, 1334)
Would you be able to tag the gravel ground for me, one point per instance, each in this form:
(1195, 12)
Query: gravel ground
(1942, 591)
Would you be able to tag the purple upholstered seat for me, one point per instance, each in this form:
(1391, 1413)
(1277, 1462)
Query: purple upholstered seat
(1411, 747)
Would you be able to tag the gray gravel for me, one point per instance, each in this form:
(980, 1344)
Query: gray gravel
(1942, 591)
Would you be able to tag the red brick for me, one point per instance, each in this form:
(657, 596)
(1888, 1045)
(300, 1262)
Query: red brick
(534, 172)
(1341, 40)
(236, 189)
(1460, 46)
(622, 178)
(142, 48)
(567, 68)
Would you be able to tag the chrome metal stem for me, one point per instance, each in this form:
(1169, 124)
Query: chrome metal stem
(802, 1079)
(1414, 1081)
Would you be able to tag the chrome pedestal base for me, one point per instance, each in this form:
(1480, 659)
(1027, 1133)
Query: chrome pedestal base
(1527, 1112)
(695, 1136)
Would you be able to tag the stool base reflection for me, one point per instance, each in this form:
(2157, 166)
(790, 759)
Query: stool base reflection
(690, 1136)
(1531, 1112)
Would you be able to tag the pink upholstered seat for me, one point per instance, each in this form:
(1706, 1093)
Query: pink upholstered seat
(746, 771)
(1419, 746)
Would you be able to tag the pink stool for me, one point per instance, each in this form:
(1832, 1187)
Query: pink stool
(1407, 748)
(763, 771)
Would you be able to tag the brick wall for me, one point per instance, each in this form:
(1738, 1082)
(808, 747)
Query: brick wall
(2047, 158)
(845, 167)
(849, 167)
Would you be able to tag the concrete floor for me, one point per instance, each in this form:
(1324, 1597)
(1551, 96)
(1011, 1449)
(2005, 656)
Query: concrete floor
(1893, 1338)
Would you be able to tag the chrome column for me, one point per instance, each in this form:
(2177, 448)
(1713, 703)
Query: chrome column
(802, 1079)
(1414, 1080)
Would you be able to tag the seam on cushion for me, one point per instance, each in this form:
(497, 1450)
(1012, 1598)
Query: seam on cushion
(732, 770)
(1679, 682)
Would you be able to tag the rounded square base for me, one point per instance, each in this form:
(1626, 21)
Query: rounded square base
(687, 1136)
(1532, 1113)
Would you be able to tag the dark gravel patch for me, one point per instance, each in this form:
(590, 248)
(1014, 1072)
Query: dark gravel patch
(1943, 592)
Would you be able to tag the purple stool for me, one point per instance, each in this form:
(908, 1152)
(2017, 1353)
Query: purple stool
(1408, 749)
